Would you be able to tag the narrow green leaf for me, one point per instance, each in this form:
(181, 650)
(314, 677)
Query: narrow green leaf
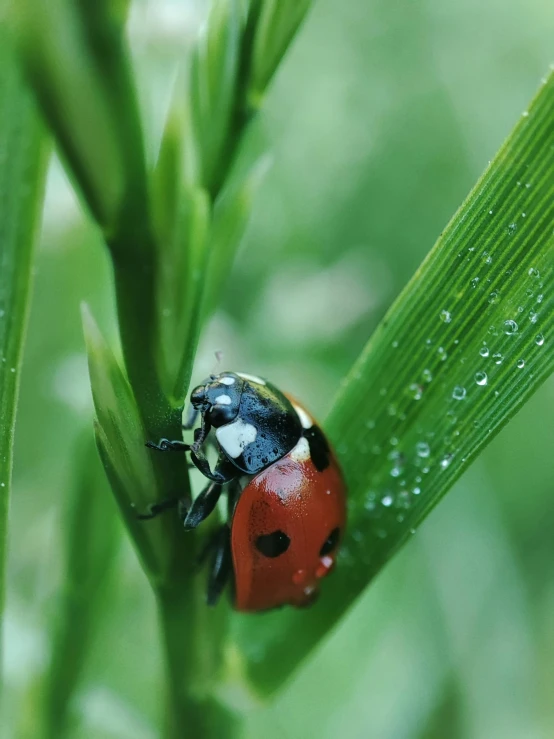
(230, 219)
(90, 543)
(23, 158)
(213, 89)
(468, 341)
(276, 26)
(182, 271)
(75, 55)
(166, 554)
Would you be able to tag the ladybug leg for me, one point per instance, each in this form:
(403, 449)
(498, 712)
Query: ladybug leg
(156, 508)
(221, 565)
(165, 445)
(202, 506)
(224, 471)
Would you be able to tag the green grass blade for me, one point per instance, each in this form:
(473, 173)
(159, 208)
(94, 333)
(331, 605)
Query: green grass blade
(230, 220)
(76, 58)
(277, 25)
(167, 556)
(22, 176)
(91, 533)
(416, 408)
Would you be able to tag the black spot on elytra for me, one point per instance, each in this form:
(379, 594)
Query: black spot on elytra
(274, 544)
(319, 448)
(330, 542)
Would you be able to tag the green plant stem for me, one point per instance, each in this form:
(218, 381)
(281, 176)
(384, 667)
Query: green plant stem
(135, 284)
(193, 642)
(23, 158)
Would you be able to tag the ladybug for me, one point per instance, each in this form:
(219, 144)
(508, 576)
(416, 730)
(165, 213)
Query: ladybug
(285, 491)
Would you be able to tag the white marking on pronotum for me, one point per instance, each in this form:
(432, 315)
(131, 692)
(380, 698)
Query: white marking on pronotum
(227, 380)
(223, 400)
(305, 419)
(301, 452)
(252, 378)
(233, 437)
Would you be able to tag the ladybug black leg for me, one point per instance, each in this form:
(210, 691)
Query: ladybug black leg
(224, 471)
(221, 566)
(165, 445)
(202, 506)
(156, 508)
(233, 494)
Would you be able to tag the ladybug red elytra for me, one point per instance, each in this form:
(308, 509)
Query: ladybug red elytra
(286, 493)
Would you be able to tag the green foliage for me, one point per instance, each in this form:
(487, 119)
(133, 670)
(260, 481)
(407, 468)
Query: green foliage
(164, 230)
(463, 347)
(75, 56)
(413, 412)
(276, 25)
(90, 544)
(22, 173)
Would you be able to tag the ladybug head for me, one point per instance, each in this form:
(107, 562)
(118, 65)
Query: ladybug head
(218, 399)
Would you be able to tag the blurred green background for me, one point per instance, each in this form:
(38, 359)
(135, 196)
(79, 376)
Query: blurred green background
(381, 119)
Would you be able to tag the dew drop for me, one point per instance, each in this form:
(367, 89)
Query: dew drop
(422, 449)
(510, 327)
(498, 358)
(481, 378)
(416, 490)
(445, 461)
(446, 316)
(493, 297)
(484, 351)
(474, 282)
(459, 392)
(540, 298)
(452, 417)
(416, 391)
(386, 500)
(512, 228)
(426, 375)
(533, 316)
(539, 339)
(521, 363)
(369, 504)
(403, 499)
(441, 351)
(493, 330)
(395, 344)
(533, 272)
